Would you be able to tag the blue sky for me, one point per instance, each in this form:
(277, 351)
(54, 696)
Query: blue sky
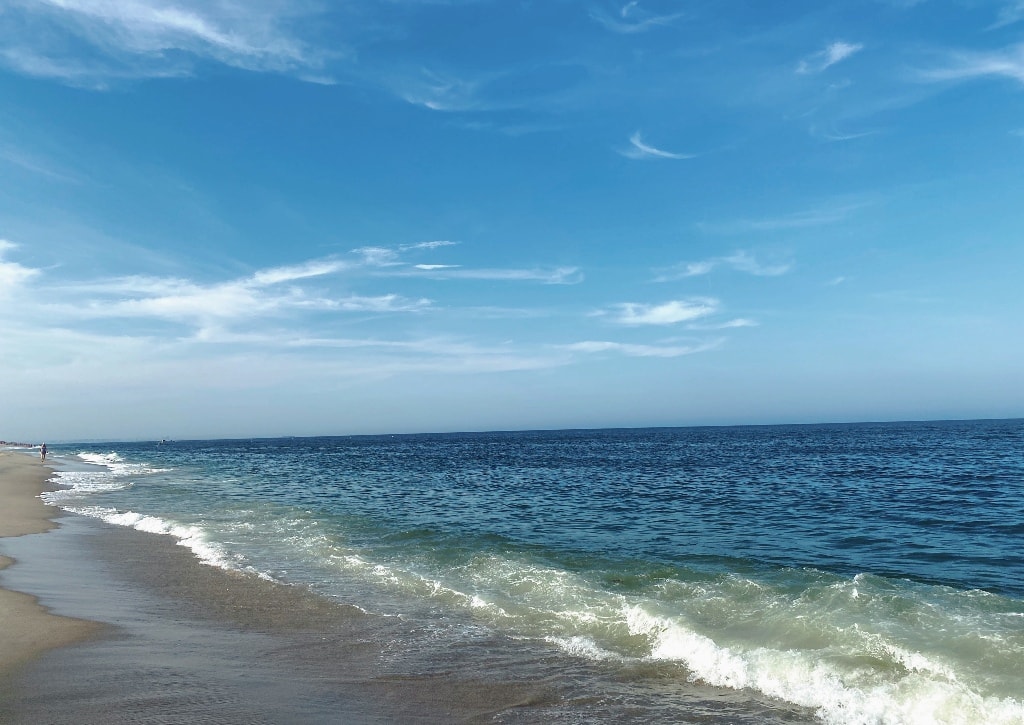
(231, 219)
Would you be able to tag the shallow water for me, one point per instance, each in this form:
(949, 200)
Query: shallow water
(869, 573)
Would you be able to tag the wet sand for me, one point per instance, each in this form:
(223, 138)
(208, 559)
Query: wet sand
(28, 629)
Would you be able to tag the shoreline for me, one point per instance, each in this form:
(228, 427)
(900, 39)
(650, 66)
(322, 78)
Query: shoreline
(27, 628)
(157, 635)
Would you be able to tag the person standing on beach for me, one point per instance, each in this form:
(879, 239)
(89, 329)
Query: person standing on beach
(42, 453)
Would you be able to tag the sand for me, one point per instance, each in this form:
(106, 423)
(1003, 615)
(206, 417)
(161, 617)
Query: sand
(26, 628)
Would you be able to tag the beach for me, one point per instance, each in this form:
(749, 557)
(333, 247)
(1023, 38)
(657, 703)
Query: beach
(115, 625)
(26, 628)
(161, 637)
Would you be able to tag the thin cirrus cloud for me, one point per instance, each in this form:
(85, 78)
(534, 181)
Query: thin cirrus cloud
(556, 275)
(378, 257)
(1006, 62)
(234, 310)
(271, 291)
(12, 274)
(434, 244)
(631, 18)
(639, 149)
(634, 350)
(1010, 14)
(739, 261)
(728, 325)
(437, 91)
(389, 262)
(824, 59)
(820, 216)
(315, 268)
(535, 85)
(666, 313)
(36, 165)
(94, 41)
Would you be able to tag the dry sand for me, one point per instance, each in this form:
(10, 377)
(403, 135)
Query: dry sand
(27, 629)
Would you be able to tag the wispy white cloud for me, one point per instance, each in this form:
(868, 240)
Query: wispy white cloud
(820, 216)
(556, 275)
(639, 150)
(727, 325)
(378, 256)
(832, 54)
(389, 262)
(634, 350)
(268, 292)
(315, 268)
(666, 313)
(689, 269)
(744, 262)
(428, 245)
(245, 310)
(95, 41)
(837, 135)
(12, 274)
(631, 18)
(36, 165)
(437, 91)
(965, 65)
(739, 261)
(1009, 14)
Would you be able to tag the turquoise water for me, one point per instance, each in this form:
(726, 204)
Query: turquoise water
(872, 573)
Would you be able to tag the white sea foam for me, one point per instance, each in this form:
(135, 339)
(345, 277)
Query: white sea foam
(585, 620)
(191, 537)
(927, 693)
(105, 472)
(898, 684)
(583, 647)
(101, 459)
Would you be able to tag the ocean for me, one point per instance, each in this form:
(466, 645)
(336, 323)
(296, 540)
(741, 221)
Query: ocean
(861, 573)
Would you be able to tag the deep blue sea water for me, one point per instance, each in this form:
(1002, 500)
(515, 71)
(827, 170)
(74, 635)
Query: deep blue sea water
(873, 573)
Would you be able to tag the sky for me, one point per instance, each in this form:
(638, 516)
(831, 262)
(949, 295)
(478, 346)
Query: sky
(226, 219)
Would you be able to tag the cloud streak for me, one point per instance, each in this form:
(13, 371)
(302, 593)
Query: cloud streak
(822, 216)
(153, 38)
(739, 261)
(1010, 14)
(389, 262)
(593, 347)
(437, 91)
(632, 19)
(556, 275)
(12, 274)
(640, 150)
(1006, 63)
(833, 53)
(268, 292)
(666, 313)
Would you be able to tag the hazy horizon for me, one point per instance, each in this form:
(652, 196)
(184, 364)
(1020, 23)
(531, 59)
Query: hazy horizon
(382, 434)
